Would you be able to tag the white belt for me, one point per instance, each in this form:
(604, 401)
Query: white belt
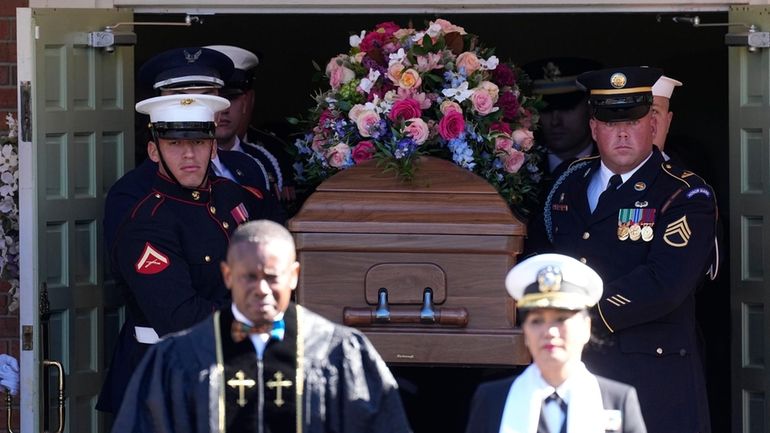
(146, 335)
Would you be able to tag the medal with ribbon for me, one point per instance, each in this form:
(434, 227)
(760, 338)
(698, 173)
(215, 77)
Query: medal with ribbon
(648, 220)
(624, 220)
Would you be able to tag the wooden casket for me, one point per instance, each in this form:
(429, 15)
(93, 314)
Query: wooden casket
(419, 267)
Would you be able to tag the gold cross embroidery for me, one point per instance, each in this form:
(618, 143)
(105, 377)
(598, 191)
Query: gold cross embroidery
(279, 384)
(241, 382)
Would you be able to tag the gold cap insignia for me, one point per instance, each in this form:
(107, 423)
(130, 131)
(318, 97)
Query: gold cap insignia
(186, 101)
(549, 279)
(618, 80)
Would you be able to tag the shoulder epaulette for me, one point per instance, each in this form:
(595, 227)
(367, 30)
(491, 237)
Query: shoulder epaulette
(254, 191)
(583, 159)
(687, 177)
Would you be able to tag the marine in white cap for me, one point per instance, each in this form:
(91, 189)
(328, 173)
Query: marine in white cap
(557, 393)
(168, 245)
(182, 128)
(661, 101)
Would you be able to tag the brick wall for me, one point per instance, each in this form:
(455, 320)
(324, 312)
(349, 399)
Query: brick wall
(9, 321)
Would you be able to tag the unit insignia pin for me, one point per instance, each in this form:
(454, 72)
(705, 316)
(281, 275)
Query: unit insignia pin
(640, 186)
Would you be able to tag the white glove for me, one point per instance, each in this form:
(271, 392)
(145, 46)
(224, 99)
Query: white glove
(9, 373)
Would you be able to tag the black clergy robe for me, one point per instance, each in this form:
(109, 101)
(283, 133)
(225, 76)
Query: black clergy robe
(181, 384)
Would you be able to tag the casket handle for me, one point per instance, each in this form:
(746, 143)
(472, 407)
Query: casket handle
(427, 314)
(457, 317)
(382, 313)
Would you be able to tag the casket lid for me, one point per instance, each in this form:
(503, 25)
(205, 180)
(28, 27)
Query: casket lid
(441, 199)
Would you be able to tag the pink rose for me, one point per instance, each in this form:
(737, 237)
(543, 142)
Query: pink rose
(363, 151)
(366, 122)
(318, 143)
(404, 109)
(410, 79)
(503, 144)
(417, 129)
(483, 102)
(524, 138)
(355, 111)
(513, 161)
(448, 106)
(451, 125)
(338, 154)
(469, 61)
(338, 73)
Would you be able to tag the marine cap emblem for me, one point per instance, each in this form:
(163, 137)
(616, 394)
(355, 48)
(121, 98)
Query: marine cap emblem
(618, 80)
(549, 279)
(186, 101)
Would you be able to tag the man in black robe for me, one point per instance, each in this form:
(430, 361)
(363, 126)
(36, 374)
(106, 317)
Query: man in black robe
(262, 364)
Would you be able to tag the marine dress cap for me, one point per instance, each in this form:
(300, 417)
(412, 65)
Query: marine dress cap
(244, 61)
(620, 94)
(183, 116)
(553, 281)
(555, 80)
(665, 86)
(185, 68)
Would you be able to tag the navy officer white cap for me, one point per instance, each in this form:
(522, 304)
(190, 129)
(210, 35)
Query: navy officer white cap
(665, 86)
(553, 281)
(182, 108)
(242, 59)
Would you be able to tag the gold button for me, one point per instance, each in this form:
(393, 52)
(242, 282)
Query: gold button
(157, 195)
(226, 225)
(659, 351)
(207, 259)
(213, 210)
(583, 260)
(196, 195)
(586, 235)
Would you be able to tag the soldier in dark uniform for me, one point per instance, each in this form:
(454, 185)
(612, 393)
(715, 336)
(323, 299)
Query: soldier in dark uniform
(563, 127)
(190, 71)
(647, 227)
(167, 253)
(234, 131)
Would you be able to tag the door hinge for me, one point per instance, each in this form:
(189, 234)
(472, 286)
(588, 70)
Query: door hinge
(26, 337)
(25, 110)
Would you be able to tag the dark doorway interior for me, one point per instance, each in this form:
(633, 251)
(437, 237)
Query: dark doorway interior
(288, 44)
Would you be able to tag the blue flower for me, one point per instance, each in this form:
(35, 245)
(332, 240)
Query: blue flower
(462, 154)
(404, 148)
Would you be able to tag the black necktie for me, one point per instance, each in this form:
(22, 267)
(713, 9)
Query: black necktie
(543, 425)
(612, 186)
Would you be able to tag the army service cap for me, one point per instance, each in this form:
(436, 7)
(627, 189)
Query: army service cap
(245, 63)
(620, 94)
(553, 281)
(665, 86)
(555, 80)
(183, 116)
(186, 68)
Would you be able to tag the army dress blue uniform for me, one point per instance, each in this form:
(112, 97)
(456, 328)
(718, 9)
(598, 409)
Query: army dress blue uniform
(645, 319)
(166, 262)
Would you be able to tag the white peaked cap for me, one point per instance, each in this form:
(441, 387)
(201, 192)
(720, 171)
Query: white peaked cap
(242, 59)
(554, 281)
(182, 108)
(665, 86)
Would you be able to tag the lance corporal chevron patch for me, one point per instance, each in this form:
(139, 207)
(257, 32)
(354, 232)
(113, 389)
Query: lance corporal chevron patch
(151, 261)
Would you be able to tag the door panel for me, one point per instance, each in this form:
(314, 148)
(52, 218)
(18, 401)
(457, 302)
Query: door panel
(82, 137)
(750, 233)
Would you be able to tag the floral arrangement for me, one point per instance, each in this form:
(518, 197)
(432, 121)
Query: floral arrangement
(400, 93)
(9, 211)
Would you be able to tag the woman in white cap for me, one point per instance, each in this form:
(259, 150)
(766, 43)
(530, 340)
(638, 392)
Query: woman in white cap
(556, 393)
